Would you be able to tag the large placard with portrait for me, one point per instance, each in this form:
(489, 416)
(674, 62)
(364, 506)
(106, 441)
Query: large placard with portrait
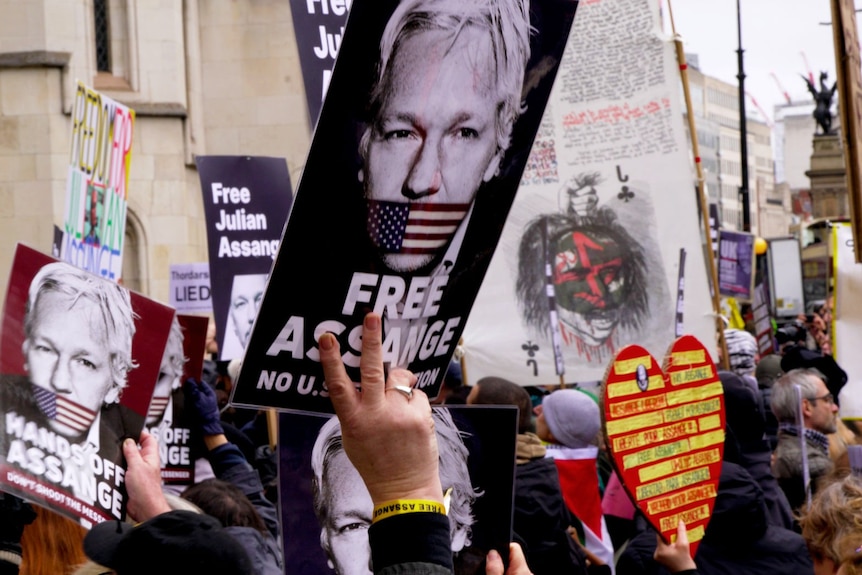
(246, 201)
(326, 510)
(79, 357)
(181, 448)
(424, 134)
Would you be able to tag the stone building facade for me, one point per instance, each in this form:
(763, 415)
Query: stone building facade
(205, 77)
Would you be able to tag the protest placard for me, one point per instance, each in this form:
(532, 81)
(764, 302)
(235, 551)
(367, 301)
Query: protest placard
(762, 321)
(784, 273)
(189, 287)
(589, 258)
(180, 443)
(94, 220)
(320, 490)
(318, 26)
(664, 427)
(246, 201)
(410, 176)
(736, 265)
(79, 357)
(847, 312)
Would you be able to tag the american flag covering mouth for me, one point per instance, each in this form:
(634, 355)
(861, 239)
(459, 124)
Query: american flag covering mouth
(413, 228)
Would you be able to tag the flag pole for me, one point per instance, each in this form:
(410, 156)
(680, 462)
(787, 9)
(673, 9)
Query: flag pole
(463, 361)
(272, 427)
(701, 192)
(553, 317)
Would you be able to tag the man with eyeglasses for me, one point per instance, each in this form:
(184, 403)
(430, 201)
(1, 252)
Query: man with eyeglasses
(819, 418)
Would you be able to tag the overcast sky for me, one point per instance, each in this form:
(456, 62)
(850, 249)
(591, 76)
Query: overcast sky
(775, 33)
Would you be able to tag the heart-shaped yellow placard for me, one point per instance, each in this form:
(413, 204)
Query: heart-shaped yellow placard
(664, 427)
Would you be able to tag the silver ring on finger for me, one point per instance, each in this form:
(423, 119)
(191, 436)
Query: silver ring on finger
(406, 390)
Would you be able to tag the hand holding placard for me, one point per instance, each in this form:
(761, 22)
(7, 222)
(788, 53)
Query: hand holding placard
(675, 556)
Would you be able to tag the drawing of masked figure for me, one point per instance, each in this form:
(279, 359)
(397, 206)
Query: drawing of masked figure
(598, 270)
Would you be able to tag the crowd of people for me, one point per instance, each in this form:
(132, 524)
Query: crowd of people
(391, 490)
(781, 507)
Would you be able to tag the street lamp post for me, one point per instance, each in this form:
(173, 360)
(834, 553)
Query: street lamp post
(743, 133)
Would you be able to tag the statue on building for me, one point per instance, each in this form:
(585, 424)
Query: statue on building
(823, 100)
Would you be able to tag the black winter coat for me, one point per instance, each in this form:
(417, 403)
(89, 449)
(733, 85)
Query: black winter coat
(541, 520)
(738, 541)
(747, 426)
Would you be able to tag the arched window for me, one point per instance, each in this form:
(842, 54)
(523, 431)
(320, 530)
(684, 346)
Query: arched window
(134, 255)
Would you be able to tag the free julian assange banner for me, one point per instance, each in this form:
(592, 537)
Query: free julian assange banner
(415, 161)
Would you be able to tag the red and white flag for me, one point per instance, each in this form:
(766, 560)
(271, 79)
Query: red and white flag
(579, 482)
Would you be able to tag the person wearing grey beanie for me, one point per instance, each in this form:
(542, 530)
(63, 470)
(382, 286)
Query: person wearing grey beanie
(570, 418)
(569, 421)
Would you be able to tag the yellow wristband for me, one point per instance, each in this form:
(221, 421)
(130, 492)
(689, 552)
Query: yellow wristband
(402, 506)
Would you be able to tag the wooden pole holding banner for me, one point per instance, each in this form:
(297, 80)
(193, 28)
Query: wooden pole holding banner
(553, 318)
(463, 362)
(803, 446)
(680, 295)
(848, 69)
(704, 203)
(272, 427)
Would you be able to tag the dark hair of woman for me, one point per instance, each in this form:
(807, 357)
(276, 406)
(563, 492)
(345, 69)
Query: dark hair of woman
(226, 502)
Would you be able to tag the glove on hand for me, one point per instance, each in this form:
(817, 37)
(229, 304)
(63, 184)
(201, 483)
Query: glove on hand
(202, 406)
(15, 514)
